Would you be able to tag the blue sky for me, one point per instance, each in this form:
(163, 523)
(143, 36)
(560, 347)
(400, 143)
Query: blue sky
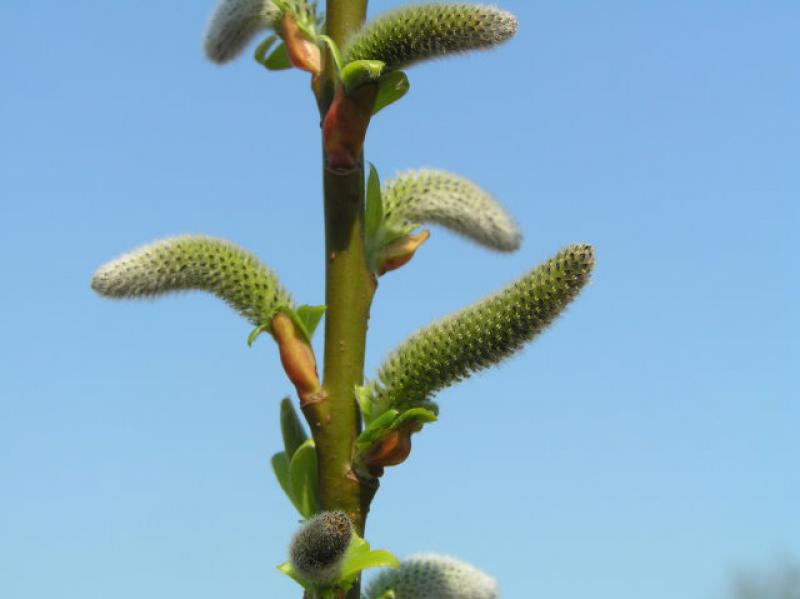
(645, 446)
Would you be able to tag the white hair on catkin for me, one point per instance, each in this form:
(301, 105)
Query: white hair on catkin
(195, 262)
(442, 198)
(431, 576)
(234, 23)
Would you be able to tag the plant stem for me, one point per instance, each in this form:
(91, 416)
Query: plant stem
(348, 295)
(349, 288)
(342, 17)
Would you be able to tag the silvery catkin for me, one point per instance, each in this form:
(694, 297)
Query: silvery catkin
(234, 23)
(414, 33)
(433, 196)
(434, 577)
(318, 549)
(481, 335)
(196, 262)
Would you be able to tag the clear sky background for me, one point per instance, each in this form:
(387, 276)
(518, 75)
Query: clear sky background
(645, 446)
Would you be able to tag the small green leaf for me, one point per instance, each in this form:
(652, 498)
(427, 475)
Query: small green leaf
(377, 429)
(359, 72)
(260, 53)
(303, 481)
(374, 211)
(279, 59)
(292, 430)
(255, 333)
(308, 317)
(337, 54)
(360, 557)
(280, 466)
(364, 399)
(391, 88)
(419, 415)
(388, 595)
(287, 569)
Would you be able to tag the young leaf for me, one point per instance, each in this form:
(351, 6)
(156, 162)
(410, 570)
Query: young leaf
(278, 60)
(418, 416)
(260, 53)
(391, 87)
(292, 430)
(359, 72)
(335, 52)
(377, 429)
(280, 467)
(479, 336)
(374, 211)
(439, 197)
(392, 420)
(360, 557)
(307, 318)
(288, 569)
(200, 263)
(414, 33)
(256, 332)
(303, 481)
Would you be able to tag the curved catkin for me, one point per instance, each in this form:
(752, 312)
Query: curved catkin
(481, 335)
(234, 23)
(317, 550)
(194, 262)
(438, 197)
(414, 33)
(434, 577)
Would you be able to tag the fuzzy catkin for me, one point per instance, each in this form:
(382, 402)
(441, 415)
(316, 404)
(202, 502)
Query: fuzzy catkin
(317, 550)
(234, 23)
(430, 576)
(414, 33)
(196, 263)
(481, 335)
(438, 197)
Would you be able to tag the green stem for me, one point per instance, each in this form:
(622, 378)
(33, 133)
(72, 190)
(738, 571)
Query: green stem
(349, 288)
(342, 17)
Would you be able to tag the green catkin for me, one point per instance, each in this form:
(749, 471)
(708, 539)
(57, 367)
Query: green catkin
(481, 335)
(434, 577)
(236, 22)
(318, 549)
(196, 263)
(414, 33)
(438, 197)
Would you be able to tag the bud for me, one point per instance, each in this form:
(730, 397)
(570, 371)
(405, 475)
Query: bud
(303, 53)
(318, 549)
(400, 251)
(345, 126)
(297, 356)
(394, 449)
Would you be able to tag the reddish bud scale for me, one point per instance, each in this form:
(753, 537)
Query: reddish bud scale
(297, 357)
(303, 53)
(345, 126)
(399, 252)
(394, 449)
